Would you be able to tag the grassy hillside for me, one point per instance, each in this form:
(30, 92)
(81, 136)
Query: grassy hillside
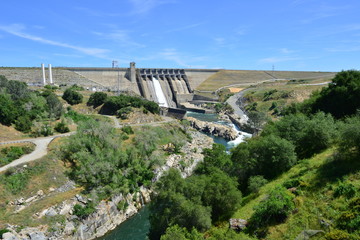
(248, 77)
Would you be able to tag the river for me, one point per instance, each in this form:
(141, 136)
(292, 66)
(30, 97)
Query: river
(137, 227)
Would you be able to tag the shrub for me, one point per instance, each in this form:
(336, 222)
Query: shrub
(274, 209)
(23, 124)
(96, 99)
(84, 212)
(127, 130)
(255, 183)
(350, 219)
(122, 205)
(337, 234)
(61, 127)
(345, 189)
(72, 97)
(123, 113)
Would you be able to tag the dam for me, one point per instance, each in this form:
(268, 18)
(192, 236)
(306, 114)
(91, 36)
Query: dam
(170, 88)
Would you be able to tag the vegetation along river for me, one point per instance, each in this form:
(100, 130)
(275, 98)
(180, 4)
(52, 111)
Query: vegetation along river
(137, 227)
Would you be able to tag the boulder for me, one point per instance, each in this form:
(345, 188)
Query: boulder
(237, 224)
(215, 129)
(10, 236)
(69, 228)
(37, 236)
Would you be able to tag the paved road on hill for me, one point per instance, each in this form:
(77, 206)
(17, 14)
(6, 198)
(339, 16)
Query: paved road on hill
(232, 101)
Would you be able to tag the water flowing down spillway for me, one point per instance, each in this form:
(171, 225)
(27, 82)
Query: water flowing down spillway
(159, 93)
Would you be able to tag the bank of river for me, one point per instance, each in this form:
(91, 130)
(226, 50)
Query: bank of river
(137, 227)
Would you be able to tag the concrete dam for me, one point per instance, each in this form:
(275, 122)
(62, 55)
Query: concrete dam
(167, 87)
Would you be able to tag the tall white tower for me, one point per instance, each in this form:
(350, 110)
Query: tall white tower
(43, 74)
(50, 75)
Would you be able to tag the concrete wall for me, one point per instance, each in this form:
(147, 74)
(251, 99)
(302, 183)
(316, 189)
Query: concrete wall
(197, 76)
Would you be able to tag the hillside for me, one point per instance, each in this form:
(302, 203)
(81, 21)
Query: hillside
(249, 77)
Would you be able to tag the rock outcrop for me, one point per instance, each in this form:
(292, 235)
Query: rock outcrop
(215, 129)
(108, 214)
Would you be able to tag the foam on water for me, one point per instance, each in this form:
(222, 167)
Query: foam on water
(159, 93)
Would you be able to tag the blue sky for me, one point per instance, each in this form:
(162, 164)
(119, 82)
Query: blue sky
(306, 35)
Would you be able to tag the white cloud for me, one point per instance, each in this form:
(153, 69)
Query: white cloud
(286, 51)
(120, 36)
(180, 59)
(18, 30)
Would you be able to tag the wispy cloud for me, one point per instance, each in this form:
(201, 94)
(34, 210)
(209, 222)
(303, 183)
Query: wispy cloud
(344, 49)
(182, 60)
(18, 30)
(145, 6)
(120, 36)
(325, 11)
(286, 51)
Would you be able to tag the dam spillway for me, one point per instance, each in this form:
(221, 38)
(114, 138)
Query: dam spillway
(167, 87)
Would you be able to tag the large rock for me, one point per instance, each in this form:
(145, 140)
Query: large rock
(215, 129)
(9, 236)
(37, 236)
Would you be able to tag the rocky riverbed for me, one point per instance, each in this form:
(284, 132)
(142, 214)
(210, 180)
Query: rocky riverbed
(108, 215)
(226, 132)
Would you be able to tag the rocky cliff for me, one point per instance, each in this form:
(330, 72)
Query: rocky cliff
(109, 213)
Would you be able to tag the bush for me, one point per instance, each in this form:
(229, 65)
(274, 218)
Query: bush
(23, 124)
(267, 156)
(96, 99)
(274, 209)
(127, 129)
(255, 183)
(337, 234)
(123, 113)
(350, 219)
(84, 212)
(72, 97)
(122, 205)
(345, 189)
(61, 127)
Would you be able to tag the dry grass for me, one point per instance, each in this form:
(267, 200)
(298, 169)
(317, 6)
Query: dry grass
(248, 77)
(10, 134)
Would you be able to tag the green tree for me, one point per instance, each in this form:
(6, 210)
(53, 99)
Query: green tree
(54, 106)
(72, 97)
(96, 99)
(178, 233)
(8, 110)
(268, 156)
(222, 195)
(309, 135)
(274, 209)
(17, 90)
(23, 123)
(342, 97)
(216, 157)
(255, 183)
(350, 136)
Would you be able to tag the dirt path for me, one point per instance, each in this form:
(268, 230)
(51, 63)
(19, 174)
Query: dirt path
(40, 150)
(42, 143)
